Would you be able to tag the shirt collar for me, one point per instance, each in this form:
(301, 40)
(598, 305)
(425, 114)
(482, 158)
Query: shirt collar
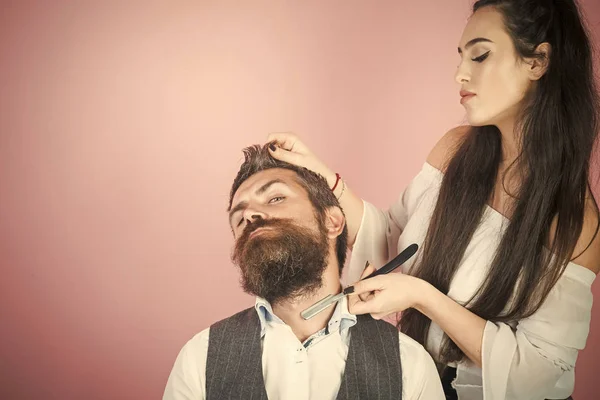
(340, 320)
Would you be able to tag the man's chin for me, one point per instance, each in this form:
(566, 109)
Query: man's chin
(286, 295)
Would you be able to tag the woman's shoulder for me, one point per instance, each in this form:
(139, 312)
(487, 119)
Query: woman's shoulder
(587, 249)
(444, 149)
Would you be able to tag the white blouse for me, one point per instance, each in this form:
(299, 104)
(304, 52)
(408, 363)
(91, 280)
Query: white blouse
(531, 359)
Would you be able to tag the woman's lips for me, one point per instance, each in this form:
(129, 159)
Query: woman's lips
(466, 96)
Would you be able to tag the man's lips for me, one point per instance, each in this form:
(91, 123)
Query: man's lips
(258, 231)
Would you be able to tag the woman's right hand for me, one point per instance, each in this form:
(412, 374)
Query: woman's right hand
(291, 150)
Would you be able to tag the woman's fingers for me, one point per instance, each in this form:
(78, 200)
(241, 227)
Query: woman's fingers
(357, 306)
(288, 141)
(369, 269)
(385, 294)
(287, 156)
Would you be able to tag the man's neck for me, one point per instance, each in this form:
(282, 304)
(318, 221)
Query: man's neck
(289, 310)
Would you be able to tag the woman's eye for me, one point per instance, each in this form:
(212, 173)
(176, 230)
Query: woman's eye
(276, 199)
(481, 57)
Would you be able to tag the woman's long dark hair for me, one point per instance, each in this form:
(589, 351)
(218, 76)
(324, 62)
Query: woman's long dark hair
(557, 133)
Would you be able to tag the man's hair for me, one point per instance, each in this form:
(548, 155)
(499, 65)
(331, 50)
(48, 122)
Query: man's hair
(257, 159)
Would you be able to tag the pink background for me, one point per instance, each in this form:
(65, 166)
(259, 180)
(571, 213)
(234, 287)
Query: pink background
(121, 126)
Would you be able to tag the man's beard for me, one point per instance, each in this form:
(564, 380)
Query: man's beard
(283, 262)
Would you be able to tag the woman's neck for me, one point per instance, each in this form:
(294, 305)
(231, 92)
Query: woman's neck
(510, 141)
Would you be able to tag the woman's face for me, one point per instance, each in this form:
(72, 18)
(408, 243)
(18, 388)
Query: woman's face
(493, 79)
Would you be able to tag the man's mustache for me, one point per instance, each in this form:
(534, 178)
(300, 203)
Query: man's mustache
(261, 223)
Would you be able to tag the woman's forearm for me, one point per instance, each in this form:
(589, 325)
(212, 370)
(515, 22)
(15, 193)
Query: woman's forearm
(461, 325)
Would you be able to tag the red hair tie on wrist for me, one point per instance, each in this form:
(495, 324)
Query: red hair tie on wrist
(337, 180)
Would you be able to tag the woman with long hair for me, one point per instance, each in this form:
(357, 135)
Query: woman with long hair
(500, 291)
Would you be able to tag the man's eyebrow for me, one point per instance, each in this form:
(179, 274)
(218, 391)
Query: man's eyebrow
(267, 185)
(242, 205)
(472, 42)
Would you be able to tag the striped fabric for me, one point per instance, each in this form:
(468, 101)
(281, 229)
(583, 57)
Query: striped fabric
(234, 360)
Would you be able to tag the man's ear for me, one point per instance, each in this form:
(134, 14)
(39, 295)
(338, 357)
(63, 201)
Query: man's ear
(334, 222)
(537, 66)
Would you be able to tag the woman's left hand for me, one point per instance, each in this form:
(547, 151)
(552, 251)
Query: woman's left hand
(395, 292)
(385, 294)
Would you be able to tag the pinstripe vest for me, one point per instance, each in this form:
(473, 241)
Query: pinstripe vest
(234, 360)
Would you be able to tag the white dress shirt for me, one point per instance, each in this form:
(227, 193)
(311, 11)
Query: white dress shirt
(530, 359)
(300, 371)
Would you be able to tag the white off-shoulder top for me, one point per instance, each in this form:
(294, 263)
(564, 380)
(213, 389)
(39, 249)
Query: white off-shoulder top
(534, 358)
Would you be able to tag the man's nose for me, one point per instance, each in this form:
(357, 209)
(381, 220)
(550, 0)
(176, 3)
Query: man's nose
(253, 214)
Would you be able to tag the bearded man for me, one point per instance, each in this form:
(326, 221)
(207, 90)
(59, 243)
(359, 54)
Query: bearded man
(290, 247)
